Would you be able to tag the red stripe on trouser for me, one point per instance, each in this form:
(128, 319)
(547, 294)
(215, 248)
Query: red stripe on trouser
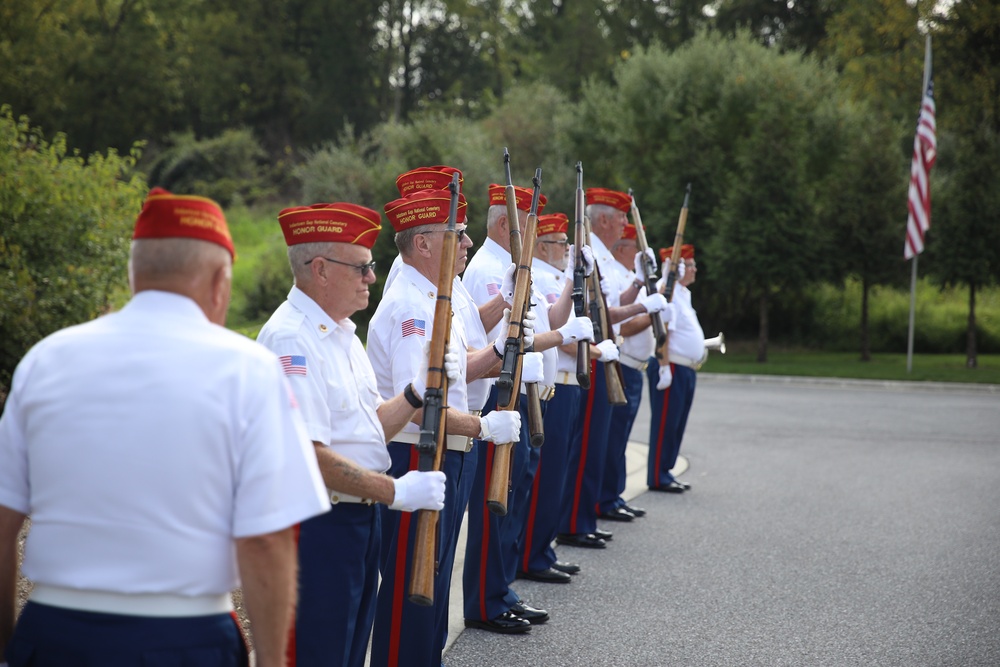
(491, 449)
(533, 509)
(402, 541)
(290, 650)
(583, 451)
(663, 427)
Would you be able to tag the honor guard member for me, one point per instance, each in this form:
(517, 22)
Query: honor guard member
(329, 250)
(488, 600)
(671, 387)
(607, 211)
(638, 345)
(162, 460)
(537, 560)
(406, 633)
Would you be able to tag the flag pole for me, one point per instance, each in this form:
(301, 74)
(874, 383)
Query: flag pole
(913, 272)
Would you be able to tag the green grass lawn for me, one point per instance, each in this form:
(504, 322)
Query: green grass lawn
(926, 367)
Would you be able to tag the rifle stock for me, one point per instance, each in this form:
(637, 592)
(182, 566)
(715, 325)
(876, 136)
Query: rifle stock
(508, 393)
(536, 426)
(431, 444)
(648, 271)
(614, 379)
(579, 282)
(675, 254)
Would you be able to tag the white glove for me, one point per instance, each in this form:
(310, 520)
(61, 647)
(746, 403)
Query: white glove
(532, 367)
(500, 426)
(609, 351)
(607, 287)
(637, 262)
(528, 328)
(577, 329)
(507, 285)
(419, 491)
(666, 377)
(654, 303)
(500, 343)
(681, 269)
(588, 261)
(451, 369)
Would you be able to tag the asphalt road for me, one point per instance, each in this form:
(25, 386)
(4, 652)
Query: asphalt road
(830, 523)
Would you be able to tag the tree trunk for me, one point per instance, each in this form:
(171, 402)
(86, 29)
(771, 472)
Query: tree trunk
(970, 332)
(762, 338)
(866, 343)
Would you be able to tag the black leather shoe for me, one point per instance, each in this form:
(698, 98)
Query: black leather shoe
(507, 623)
(637, 511)
(686, 486)
(585, 540)
(617, 514)
(549, 576)
(529, 613)
(605, 535)
(673, 487)
(568, 568)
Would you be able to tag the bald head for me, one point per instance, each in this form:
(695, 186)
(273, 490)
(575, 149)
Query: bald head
(200, 270)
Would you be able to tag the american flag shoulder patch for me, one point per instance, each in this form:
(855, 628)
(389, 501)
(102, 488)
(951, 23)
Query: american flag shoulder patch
(294, 364)
(412, 327)
(492, 289)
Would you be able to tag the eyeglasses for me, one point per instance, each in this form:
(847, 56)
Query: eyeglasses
(363, 268)
(461, 233)
(564, 242)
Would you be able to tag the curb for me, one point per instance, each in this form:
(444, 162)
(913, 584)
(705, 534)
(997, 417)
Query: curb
(891, 385)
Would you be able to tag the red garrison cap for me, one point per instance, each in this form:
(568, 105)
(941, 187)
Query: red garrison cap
(165, 215)
(553, 223)
(687, 252)
(498, 197)
(338, 223)
(628, 232)
(423, 207)
(427, 178)
(613, 198)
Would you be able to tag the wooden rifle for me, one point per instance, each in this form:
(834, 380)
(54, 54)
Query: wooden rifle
(431, 443)
(614, 379)
(509, 383)
(536, 426)
(648, 274)
(580, 281)
(675, 255)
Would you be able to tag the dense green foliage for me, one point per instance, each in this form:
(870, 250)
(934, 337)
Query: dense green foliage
(65, 225)
(792, 120)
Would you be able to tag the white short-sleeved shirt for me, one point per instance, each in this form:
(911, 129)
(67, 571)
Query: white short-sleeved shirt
(143, 443)
(483, 278)
(641, 345)
(400, 332)
(608, 266)
(550, 283)
(332, 379)
(686, 335)
(464, 307)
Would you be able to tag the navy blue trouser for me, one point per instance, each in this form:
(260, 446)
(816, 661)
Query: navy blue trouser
(407, 633)
(622, 418)
(548, 486)
(670, 409)
(47, 636)
(338, 581)
(588, 446)
(484, 579)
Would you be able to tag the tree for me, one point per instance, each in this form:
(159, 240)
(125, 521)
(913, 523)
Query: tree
(748, 126)
(965, 233)
(65, 225)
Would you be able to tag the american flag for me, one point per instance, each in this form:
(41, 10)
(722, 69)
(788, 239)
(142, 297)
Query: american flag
(924, 155)
(492, 289)
(414, 327)
(294, 364)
